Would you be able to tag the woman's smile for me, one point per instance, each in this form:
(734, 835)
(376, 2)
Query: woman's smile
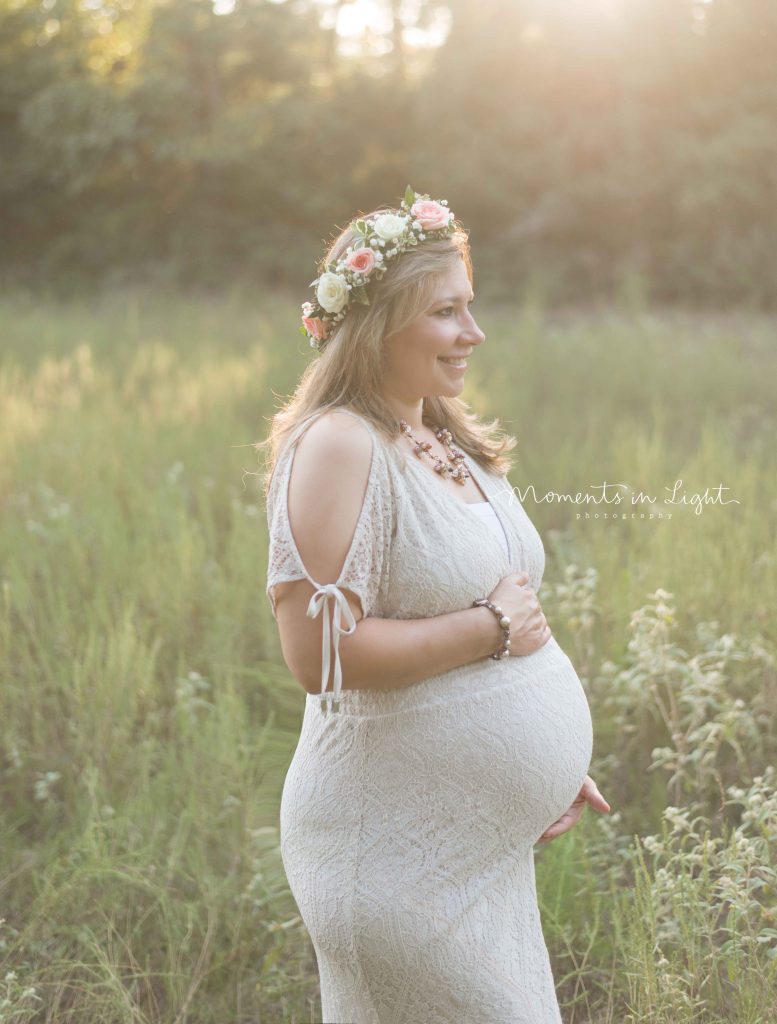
(456, 362)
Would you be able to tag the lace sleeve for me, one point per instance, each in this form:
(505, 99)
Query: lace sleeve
(364, 568)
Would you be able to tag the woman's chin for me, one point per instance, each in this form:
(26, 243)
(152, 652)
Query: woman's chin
(449, 387)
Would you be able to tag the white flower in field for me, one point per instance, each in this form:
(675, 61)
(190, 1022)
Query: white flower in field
(745, 847)
(664, 755)
(731, 891)
(190, 693)
(43, 784)
(663, 881)
(58, 510)
(677, 818)
(653, 844)
(663, 611)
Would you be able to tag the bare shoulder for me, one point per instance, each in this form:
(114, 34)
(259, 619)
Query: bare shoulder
(327, 486)
(335, 448)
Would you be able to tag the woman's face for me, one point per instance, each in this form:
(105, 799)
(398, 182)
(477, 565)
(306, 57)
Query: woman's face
(413, 357)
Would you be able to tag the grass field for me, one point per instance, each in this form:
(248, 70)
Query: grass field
(147, 718)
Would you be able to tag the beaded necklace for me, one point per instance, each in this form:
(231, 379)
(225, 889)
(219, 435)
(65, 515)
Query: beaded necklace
(455, 466)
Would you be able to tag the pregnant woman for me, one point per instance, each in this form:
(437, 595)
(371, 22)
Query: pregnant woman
(456, 734)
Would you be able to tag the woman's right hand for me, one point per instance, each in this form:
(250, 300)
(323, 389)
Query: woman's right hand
(529, 629)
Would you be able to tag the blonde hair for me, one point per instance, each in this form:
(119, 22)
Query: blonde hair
(348, 370)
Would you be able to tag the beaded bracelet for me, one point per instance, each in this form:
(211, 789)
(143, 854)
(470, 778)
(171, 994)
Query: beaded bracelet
(504, 622)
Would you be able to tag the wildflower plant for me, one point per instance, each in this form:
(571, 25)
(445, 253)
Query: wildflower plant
(702, 716)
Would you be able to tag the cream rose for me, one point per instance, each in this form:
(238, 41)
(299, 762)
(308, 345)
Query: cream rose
(431, 215)
(362, 261)
(332, 292)
(389, 226)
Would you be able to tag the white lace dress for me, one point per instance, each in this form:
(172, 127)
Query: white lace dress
(409, 816)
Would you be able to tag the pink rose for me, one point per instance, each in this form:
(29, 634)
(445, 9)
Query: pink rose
(315, 326)
(361, 261)
(431, 215)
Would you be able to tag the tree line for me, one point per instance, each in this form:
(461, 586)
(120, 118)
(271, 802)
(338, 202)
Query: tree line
(583, 145)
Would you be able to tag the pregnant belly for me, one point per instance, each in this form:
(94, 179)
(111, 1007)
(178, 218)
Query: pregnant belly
(498, 747)
(506, 756)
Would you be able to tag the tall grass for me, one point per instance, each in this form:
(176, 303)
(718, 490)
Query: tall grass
(147, 718)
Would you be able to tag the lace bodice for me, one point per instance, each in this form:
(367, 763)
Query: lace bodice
(399, 563)
(485, 510)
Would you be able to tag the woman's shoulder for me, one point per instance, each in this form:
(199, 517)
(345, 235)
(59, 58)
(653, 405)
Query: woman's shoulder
(334, 423)
(348, 438)
(334, 450)
(341, 450)
(344, 439)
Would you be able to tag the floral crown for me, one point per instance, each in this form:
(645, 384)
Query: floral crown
(382, 238)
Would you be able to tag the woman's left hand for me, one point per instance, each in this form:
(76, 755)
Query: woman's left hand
(588, 794)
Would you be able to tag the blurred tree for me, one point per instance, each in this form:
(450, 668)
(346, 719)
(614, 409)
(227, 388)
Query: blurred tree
(221, 137)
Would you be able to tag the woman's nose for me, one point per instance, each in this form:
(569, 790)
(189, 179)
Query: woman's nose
(478, 337)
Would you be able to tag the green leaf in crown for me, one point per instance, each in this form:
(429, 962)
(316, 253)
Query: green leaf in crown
(409, 196)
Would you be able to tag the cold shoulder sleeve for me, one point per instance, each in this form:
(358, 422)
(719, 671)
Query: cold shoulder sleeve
(363, 571)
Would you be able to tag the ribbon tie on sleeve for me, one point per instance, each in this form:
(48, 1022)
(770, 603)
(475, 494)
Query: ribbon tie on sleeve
(341, 609)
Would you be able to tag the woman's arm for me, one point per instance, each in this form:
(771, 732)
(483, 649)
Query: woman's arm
(383, 653)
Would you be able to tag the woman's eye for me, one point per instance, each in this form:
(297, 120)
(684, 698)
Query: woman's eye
(449, 309)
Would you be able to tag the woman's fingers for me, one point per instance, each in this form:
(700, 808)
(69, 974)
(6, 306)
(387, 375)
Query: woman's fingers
(591, 793)
(564, 823)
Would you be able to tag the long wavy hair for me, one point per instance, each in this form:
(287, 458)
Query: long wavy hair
(348, 370)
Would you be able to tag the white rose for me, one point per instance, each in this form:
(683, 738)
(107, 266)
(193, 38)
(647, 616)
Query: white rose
(332, 292)
(389, 226)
